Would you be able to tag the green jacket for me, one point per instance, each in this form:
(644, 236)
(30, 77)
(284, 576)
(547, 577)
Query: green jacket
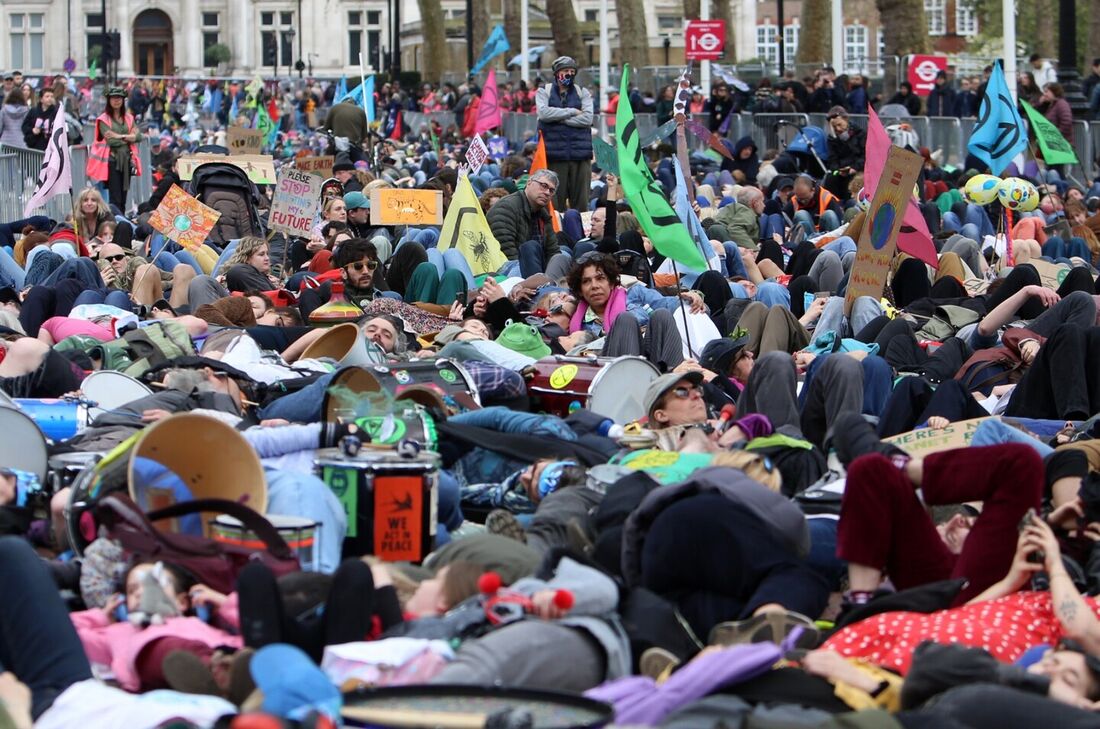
(510, 218)
(742, 223)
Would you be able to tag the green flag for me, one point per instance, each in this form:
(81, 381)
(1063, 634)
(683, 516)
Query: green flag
(1056, 150)
(264, 123)
(648, 203)
(93, 70)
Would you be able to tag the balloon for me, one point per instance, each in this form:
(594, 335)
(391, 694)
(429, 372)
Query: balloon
(863, 199)
(1017, 194)
(981, 189)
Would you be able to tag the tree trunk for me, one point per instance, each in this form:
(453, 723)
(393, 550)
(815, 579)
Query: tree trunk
(814, 47)
(1092, 38)
(633, 37)
(1046, 15)
(480, 20)
(435, 40)
(907, 32)
(691, 9)
(511, 25)
(721, 11)
(567, 32)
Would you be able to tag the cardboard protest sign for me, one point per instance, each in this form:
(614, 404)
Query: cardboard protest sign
(260, 168)
(242, 140)
(606, 157)
(879, 239)
(183, 219)
(1050, 274)
(929, 440)
(317, 165)
(398, 206)
(476, 153)
(297, 197)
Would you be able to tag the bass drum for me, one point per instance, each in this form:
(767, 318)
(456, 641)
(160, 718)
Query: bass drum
(23, 446)
(612, 387)
(109, 390)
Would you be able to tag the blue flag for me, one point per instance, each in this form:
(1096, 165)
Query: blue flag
(366, 99)
(233, 110)
(496, 44)
(341, 90)
(1000, 133)
(690, 219)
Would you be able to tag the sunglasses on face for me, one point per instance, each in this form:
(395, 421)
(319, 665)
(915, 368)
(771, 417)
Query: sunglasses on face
(359, 266)
(683, 392)
(116, 257)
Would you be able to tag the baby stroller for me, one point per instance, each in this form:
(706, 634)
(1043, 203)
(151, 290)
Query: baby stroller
(227, 189)
(809, 150)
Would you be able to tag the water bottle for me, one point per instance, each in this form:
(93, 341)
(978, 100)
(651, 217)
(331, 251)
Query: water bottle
(610, 429)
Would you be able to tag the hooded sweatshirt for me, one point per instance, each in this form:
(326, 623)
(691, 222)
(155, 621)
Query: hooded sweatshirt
(748, 166)
(11, 124)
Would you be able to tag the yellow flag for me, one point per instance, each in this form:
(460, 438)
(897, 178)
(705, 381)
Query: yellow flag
(466, 229)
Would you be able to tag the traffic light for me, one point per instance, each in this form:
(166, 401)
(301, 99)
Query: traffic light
(114, 43)
(269, 50)
(105, 49)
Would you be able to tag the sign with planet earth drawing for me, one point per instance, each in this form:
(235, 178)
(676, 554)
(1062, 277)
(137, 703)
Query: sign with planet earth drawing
(183, 219)
(878, 240)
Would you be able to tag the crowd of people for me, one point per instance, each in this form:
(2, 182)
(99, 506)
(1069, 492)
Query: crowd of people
(785, 531)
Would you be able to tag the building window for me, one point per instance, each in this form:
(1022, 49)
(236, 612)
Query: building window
(767, 44)
(790, 42)
(935, 11)
(211, 34)
(670, 22)
(966, 18)
(275, 36)
(374, 17)
(355, 37)
(591, 16)
(855, 46)
(93, 27)
(28, 40)
(369, 32)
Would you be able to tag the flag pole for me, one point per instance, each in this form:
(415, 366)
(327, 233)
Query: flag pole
(370, 132)
(683, 309)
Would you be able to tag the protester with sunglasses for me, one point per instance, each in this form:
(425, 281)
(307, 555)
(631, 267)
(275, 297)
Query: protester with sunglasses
(357, 261)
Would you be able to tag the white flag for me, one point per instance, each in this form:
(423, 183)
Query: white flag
(56, 176)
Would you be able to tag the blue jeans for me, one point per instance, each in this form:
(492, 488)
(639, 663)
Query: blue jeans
(772, 224)
(733, 263)
(995, 432)
(166, 254)
(822, 557)
(1056, 248)
(975, 215)
(452, 260)
(532, 258)
(229, 248)
(110, 297)
(303, 406)
(827, 221)
(11, 273)
(770, 293)
(450, 508)
(832, 319)
(842, 246)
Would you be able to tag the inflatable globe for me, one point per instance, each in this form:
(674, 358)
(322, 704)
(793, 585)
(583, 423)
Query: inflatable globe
(1019, 195)
(982, 189)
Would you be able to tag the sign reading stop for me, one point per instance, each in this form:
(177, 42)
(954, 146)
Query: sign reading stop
(704, 40)
(922, 72)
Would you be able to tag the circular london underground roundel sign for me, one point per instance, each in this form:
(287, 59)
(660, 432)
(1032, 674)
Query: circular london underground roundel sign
(922, 72)
(705, 40)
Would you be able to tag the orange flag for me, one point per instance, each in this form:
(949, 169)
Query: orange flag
(538, 162)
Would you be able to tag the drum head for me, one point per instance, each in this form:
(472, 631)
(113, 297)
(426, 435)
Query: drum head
(23, 446)
(6, 401)
(111, 390)
(452, 707)
(349, 395)
(618, 390)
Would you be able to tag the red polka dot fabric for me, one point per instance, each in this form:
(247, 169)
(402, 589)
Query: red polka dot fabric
(1005, 627)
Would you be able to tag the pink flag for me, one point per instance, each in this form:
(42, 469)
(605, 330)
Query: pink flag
(914, 238)
(488, 112)
(56, 176)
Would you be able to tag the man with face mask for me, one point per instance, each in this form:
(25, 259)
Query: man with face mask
(565, 120)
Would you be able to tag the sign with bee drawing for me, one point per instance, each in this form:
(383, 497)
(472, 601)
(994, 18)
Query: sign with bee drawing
(406, 207)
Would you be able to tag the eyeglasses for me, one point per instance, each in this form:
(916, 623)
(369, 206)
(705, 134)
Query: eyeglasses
(546, 186)
(683, 392)
(358, 266)
(116, 257)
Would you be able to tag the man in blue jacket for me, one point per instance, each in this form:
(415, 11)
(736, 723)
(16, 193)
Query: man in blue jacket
(565, 120)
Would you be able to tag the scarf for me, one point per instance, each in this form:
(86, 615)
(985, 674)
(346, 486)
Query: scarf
(616, 305)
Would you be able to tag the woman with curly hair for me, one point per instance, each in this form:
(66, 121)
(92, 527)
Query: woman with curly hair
(248, 268)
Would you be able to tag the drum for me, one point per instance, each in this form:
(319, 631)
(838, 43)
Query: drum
(58, 418)
(109, 390)
(360, 391)
(612, 387)
(411, 423)
(391, 501)
(299, 533)
(23, 446)
(65, 467)
(459, 707)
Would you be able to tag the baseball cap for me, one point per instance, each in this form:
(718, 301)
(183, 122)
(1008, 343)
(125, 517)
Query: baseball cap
(719, 354)
(356, 201)
(664, 383)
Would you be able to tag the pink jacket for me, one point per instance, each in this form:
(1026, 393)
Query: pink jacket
(616, 305)
(118, 644)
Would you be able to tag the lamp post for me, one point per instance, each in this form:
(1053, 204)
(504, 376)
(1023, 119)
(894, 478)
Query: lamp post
(290, 33)
(1067, 58)
(667, 43)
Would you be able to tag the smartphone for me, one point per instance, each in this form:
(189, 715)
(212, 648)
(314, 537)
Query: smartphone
(823, 294)
(462, 297)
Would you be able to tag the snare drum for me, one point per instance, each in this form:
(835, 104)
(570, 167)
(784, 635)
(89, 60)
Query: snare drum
(612, 387)
(110, 390)
(391, 501)
(359, 391)
(410, 423)
(64, 468)
(58, 418)
(299, 533)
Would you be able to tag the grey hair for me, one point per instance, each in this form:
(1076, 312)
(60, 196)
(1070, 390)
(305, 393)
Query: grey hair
(187, 380)
(544, 174)
(746, 195)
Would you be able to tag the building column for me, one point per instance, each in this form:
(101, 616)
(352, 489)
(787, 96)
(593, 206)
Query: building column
(190, 58)
(744, 25)
(121, 22)
(242, 41)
